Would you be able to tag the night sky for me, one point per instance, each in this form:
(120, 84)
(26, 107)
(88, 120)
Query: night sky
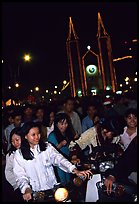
(41, 29)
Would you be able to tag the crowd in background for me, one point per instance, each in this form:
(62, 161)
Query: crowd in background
(89, 124)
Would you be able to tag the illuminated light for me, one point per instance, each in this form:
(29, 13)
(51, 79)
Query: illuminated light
(55, 87)
(16, 85)
(10, 102)
(125, 42)
(118, 92)
(94, 92)
(46, 91)
(64, 82)
(79, 93)
(130, 87)
(36, 88)
(42, 96)
(135, 79)
(91, 69)
(27, 57)
(31, 90)
(9, 87)
(121, 85)
(127, 79)
(59, 92)
(2, 61)
(135, 73)
(107, 96)
(130, 48)
(88, 47)
(134, 40)
(50, 99)
(108, 88)
(55, 92)
(127, 82)
(121, 58)
(64, 87)
(61, 194)
(126, 91)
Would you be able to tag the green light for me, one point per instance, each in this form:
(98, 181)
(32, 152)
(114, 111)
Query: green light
(79, 93)
(91, 69)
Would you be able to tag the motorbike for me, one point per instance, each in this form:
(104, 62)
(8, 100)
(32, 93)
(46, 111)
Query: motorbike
(74, 191)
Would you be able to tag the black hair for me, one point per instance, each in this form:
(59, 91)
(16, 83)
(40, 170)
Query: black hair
(16, 113)
(69, 98)
(18, 132)
(25, 147)
(131, 111)
(112, 125)
(48, 112)
(69, 131)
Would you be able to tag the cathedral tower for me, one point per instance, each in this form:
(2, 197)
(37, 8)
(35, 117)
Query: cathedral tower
(77, 83)
(106, 60)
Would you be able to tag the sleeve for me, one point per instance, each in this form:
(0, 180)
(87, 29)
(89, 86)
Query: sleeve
(7, 133)
(79, 124)
(84, 127)
(87, 138)
(59, 160)
(127, 163)
(20, 173)
(52, 139)
(9, 175)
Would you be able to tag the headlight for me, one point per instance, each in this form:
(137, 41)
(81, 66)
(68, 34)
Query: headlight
(61, 194)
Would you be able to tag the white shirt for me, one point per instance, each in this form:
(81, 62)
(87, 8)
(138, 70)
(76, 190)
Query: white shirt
(9, 174)
(126, 139)
(39, 173)
(50, 129)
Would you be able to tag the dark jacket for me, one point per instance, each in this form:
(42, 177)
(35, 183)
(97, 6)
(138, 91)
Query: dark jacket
(126, 164)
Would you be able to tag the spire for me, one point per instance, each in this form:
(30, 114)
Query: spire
(101, 29)
(72, 33)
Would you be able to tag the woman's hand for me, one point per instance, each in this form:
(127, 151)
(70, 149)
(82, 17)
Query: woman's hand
(61, 144)
(27, 195)
(108, 183)
(85, 173)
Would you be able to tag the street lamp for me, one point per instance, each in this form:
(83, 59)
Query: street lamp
(64, 82)
(16, 85)
(27, 57)
(36, 88)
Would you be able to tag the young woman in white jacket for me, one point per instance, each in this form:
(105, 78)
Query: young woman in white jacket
(34, 161)
(15, 140)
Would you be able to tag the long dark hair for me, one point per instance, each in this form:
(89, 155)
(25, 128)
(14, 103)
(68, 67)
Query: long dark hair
(61, 117)
(25, 147)
(18, 132)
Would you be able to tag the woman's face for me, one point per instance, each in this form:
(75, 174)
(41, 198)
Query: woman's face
(16, 141)
(33, 136)
(62, 126)
(131, 121)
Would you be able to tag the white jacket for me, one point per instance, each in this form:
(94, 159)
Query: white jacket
(38, 173)
(9, 174)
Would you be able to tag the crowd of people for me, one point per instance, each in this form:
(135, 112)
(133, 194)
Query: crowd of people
(38, 142)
